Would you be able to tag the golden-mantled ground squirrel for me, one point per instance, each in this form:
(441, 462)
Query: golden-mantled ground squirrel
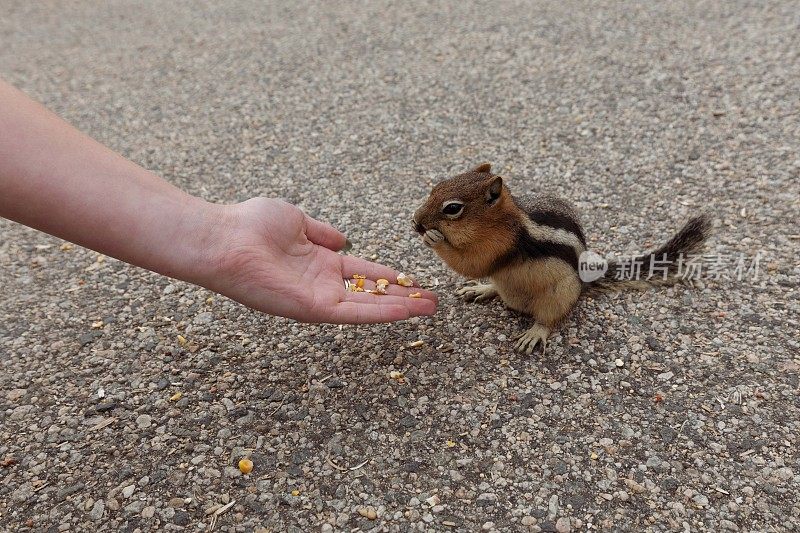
(529, 248)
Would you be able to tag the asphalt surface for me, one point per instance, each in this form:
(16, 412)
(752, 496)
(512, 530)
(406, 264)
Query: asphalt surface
(669, 410)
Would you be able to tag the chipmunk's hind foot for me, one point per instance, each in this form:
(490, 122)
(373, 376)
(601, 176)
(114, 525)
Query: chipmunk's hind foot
(477, 292)
(527, 341)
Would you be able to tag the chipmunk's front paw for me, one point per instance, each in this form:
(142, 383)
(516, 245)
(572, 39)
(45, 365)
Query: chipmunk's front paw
(432, 237)
(528, 340)
(477, 292)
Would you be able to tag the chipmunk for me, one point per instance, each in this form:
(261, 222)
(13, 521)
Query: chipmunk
(529, 248)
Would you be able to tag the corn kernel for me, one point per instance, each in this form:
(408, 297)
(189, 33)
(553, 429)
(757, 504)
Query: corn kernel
(415, 295)
(359, 276)
(295, 492)
(382, 282)
(246, 466)
(404, 280)
(175, 397)
(359, 282)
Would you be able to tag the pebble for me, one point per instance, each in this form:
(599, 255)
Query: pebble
(552, 507)
(368, 512)
(128, 491)
(143, 421)
(96, 513)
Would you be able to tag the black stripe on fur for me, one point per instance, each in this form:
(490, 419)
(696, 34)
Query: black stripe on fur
(557, 221)
(527, 248)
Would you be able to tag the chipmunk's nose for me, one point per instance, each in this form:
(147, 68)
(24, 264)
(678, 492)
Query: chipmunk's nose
(419, 228)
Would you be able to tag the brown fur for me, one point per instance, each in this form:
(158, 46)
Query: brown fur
(546, 289)
(483, 233)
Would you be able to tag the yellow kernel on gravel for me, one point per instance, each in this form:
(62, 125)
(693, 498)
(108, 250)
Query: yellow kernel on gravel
(295, 493)
(175, 397)
(450, 443)
(182, 340)
(246, 466)
(415, 295)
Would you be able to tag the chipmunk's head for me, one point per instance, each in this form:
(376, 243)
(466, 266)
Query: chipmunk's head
(465, 215)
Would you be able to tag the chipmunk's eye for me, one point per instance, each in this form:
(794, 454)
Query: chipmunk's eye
(452, 209)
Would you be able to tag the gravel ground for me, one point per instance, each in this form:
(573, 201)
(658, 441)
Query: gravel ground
(668, 410)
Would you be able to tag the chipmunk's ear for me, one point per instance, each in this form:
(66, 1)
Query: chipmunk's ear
(494, 190)
(482, 168)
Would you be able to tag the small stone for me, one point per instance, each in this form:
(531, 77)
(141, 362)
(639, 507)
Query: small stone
(97, 511)
(127, 492)
(326, 528)
(635, 487)
(552, 507)
(563, 525)
(181, 518)
(528, 520)
(148, 512)
(143, 421)
(175, 503)
(203, 318)
(653, 461)
(368, 513)
(620, 363)
(727, 524)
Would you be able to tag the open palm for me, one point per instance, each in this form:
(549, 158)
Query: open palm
(277, 259)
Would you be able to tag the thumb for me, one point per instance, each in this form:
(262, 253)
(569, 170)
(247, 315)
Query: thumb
(324, 234)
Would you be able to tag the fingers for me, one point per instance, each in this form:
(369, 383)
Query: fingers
(415, 306)
(360, 308)
(359, 313)
(324, 234)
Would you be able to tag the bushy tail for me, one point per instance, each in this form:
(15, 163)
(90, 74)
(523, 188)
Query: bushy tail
(663, 266)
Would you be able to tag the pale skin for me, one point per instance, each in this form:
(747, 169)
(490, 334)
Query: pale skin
(264, 253)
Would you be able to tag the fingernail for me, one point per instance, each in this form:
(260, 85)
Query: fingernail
(347, 245)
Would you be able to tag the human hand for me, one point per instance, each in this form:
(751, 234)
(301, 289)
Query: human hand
(272, 257)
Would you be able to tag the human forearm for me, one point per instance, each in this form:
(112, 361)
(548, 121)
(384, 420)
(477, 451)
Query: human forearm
(58, 180)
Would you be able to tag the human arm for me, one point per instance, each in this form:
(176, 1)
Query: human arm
(264, 253)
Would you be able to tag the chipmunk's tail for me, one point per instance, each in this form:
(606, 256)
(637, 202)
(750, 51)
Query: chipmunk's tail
(663, 266)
